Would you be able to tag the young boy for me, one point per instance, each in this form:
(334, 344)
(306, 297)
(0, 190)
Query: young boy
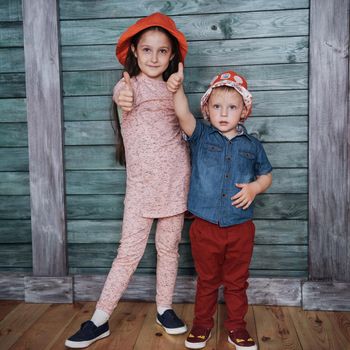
(229, 168)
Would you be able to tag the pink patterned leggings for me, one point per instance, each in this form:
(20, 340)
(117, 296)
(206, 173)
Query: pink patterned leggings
(135, 232)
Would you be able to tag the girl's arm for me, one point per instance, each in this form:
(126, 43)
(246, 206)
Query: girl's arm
(186, 119)
(245, 197)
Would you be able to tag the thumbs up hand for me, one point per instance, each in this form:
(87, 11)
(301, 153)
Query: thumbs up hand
(125, 98)
(176, 79)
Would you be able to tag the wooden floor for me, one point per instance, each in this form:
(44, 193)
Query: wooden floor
(46, 326)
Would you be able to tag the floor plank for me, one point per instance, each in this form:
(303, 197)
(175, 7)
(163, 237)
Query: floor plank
(275, 328)
(7, 306)
(14, 325)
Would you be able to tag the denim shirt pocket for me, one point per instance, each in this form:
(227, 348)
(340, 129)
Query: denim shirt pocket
(211, 154)
(246, 162)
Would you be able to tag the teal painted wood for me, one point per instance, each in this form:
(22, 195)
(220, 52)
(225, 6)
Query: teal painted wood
(267, 206)
(12, 85)
(265, 257)
(13, 135)
(113, 182)
(14, 183)
(14, 159)
(13, 110)
(264, 77)
(274, 232)
(11, 34)
(200, 53)
(14, 207)
(10, 10)
(11, 60)
(187, 272)
(15, 231)
(267, 129)
(289, 154)
(195, 27)
(16, 255)
(70, 9)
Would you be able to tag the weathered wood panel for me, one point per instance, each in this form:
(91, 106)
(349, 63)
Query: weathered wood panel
(16, 255)
(14, 183)
(10, 10)
(11, 34)
(13, 110)
(13, 135)
(245, 51)
(268, 129)
(267, 206)
(292, 232)
(326, 296)
(12, 85)
(15, 207)
(289, 154)
(40, 21)
(15, 231)
(113, 182)
(11, 60)
(227, 25)
(48, 289)
(260, 291)
(329, 151)
(11, 286)
(273, 257)
(14, 159)
(70, 9)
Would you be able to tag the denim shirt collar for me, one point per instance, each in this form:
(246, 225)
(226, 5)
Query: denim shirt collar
(241, 131)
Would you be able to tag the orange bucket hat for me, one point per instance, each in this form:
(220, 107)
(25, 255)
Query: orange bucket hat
(234, 80)
(154, 20)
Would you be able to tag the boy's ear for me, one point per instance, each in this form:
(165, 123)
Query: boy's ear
(133, 50)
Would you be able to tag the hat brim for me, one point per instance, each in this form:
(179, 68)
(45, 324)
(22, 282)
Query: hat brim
(124, 41)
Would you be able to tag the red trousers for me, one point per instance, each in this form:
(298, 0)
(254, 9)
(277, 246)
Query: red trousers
(221, 256)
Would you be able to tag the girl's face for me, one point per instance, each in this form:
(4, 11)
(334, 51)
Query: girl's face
(226, 109)
(153, 54)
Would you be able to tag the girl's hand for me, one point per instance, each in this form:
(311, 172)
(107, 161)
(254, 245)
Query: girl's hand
(244, 198)
(176, 79)
(125, 98)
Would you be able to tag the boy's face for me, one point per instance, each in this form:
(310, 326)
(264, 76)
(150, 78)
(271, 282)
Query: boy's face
(226, 109)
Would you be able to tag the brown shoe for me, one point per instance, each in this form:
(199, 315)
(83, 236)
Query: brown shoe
(198, 337)
(241, 339)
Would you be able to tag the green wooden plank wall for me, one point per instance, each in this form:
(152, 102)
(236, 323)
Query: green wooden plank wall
(15, 229)
(266, 40)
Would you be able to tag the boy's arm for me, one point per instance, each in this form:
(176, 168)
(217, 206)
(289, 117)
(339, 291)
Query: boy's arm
(245, 197)
(186, 119)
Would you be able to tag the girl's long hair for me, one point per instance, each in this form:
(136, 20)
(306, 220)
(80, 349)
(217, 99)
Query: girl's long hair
(133, 69)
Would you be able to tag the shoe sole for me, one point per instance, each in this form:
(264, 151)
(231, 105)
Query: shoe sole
(173, 331)
(85, 344)
(201, 345)
(254, 347)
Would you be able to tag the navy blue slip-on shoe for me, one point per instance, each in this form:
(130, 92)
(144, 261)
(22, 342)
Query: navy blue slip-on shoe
(87, 334)
(171, 323)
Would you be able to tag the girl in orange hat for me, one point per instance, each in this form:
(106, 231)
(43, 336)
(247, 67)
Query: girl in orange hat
(157, 168)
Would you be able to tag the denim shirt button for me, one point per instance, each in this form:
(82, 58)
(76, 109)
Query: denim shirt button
(228, 158)
(224, 194)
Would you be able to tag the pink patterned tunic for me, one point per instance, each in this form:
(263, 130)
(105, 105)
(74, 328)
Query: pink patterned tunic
(157, 158)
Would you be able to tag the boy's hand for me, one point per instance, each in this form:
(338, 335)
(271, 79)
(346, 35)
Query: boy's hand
(125, 98)
(176, 79)
(245, 197)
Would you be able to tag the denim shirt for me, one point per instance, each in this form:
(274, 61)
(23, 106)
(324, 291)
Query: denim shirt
(218, 164)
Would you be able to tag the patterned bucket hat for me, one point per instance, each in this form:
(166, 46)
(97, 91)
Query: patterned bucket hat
(232, 79)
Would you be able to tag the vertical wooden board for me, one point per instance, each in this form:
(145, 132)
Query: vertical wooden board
(18, 321)
(125, 325)
(48, 327)
(313, 331)
(72, 325)
(329, 153)
(45, 135)
(222, 334)
(275, 329)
